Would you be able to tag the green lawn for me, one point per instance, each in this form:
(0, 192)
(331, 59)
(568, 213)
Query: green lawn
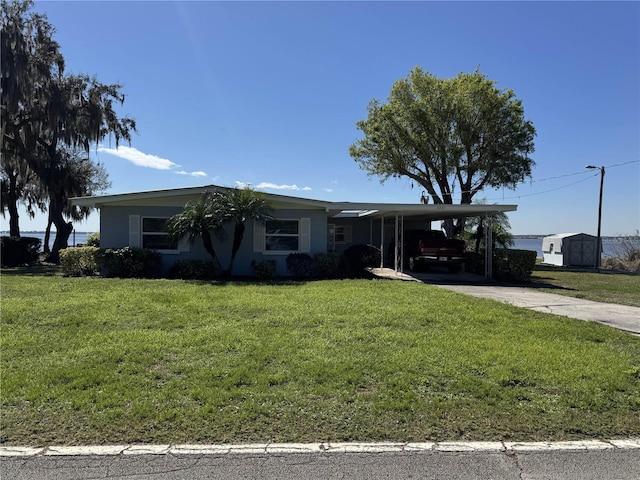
(93, 361)
(603, 286)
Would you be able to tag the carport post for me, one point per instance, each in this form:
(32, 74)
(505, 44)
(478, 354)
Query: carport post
(382, 241)
(488, 247)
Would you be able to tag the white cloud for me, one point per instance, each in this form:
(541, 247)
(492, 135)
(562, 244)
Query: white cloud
(139, 158)
(329, 190)
(273, 186)
(192, 174)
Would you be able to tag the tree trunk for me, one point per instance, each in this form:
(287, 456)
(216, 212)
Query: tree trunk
(208, 246)
(12, 206)
(238, 234)
(47, 235)
(63, 228)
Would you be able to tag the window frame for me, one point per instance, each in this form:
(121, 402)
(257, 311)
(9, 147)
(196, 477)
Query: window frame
(347, 234)
(298, 236)
(175, 250)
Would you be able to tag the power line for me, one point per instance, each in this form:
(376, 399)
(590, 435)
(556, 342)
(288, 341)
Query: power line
(549, 191)
(582, 172)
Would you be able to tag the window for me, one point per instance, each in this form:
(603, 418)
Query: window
(343, 234)
(154, 234)
(282, 236)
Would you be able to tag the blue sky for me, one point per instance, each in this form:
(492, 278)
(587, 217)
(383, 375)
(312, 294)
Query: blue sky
(269, 93)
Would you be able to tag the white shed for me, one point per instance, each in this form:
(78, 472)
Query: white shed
(570, 250)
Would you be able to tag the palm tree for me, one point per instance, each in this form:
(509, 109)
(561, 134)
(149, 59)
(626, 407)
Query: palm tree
(500, 229)
(200, 218)
(243, 205)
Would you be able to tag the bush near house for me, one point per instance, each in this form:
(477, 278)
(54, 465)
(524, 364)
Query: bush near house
(93, 240)
(358, 257)
(300, 265)
(328, 265)
(509, 265)
(16, 251)
(130, 262)
(80, 261)
(264, 270)
(513, 265)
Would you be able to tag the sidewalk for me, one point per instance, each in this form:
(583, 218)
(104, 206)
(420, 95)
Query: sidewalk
(621, 317)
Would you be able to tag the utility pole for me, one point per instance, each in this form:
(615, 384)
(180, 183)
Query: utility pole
(599, 245)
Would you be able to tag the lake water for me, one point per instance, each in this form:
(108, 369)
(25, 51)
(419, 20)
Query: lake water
(76, 238)
(609, 245)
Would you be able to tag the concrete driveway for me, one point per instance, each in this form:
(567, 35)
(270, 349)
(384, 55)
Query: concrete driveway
(621, 317)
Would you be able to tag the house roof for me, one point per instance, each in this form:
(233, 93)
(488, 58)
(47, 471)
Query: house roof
(180, 196)
(566, 235)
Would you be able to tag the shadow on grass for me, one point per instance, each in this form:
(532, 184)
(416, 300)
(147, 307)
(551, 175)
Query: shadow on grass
(601, 271)
(537, 284)
(39, 269)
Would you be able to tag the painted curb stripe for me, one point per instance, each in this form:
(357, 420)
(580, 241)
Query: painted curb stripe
(317, 448)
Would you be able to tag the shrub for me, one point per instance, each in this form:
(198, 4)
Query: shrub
(93, 240)
(626, 254)
(15, 251)
(265, 269)
(328, 264)
(474, 262)
(80, 261)
(130, 262)
(358, 257)
(510, 265)
(300, 265)
(194, 270)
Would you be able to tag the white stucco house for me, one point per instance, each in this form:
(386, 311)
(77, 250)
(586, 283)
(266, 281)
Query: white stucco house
(302, 225)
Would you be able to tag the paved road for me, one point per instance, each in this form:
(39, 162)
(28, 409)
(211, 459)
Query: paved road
(595, 460)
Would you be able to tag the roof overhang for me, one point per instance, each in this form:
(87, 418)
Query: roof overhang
(408, 210)
(179, 197)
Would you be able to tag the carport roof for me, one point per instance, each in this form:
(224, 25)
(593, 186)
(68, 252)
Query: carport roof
(180, 196)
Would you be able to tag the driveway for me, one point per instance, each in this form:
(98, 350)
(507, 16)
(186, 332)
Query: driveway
(621, 317)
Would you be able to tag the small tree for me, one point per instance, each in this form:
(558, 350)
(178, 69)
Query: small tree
(500, 229)
(200, 219)
(243, 205)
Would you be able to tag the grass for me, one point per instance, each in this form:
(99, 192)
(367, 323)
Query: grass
(103, 361)
(603, 286)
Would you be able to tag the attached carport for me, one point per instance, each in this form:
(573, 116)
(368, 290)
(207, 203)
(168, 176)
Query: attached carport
(401, 213)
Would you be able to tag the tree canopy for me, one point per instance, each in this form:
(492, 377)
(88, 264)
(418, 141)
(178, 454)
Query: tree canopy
(45, 112)
(454, 137)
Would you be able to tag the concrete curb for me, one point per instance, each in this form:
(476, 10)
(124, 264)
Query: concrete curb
(319, 448)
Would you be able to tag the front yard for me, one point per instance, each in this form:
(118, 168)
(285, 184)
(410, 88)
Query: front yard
(104, 361)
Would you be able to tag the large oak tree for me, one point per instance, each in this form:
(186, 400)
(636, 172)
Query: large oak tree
(454, 137)
(45, 111)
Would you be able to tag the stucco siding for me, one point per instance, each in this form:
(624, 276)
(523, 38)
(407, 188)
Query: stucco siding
(114, 233)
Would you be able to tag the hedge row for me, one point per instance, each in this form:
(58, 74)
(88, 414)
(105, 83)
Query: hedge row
(348, 264)
(131, 262)
(509, 265)
(127, 262)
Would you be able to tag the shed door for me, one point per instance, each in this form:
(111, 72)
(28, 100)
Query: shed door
(582, 253)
